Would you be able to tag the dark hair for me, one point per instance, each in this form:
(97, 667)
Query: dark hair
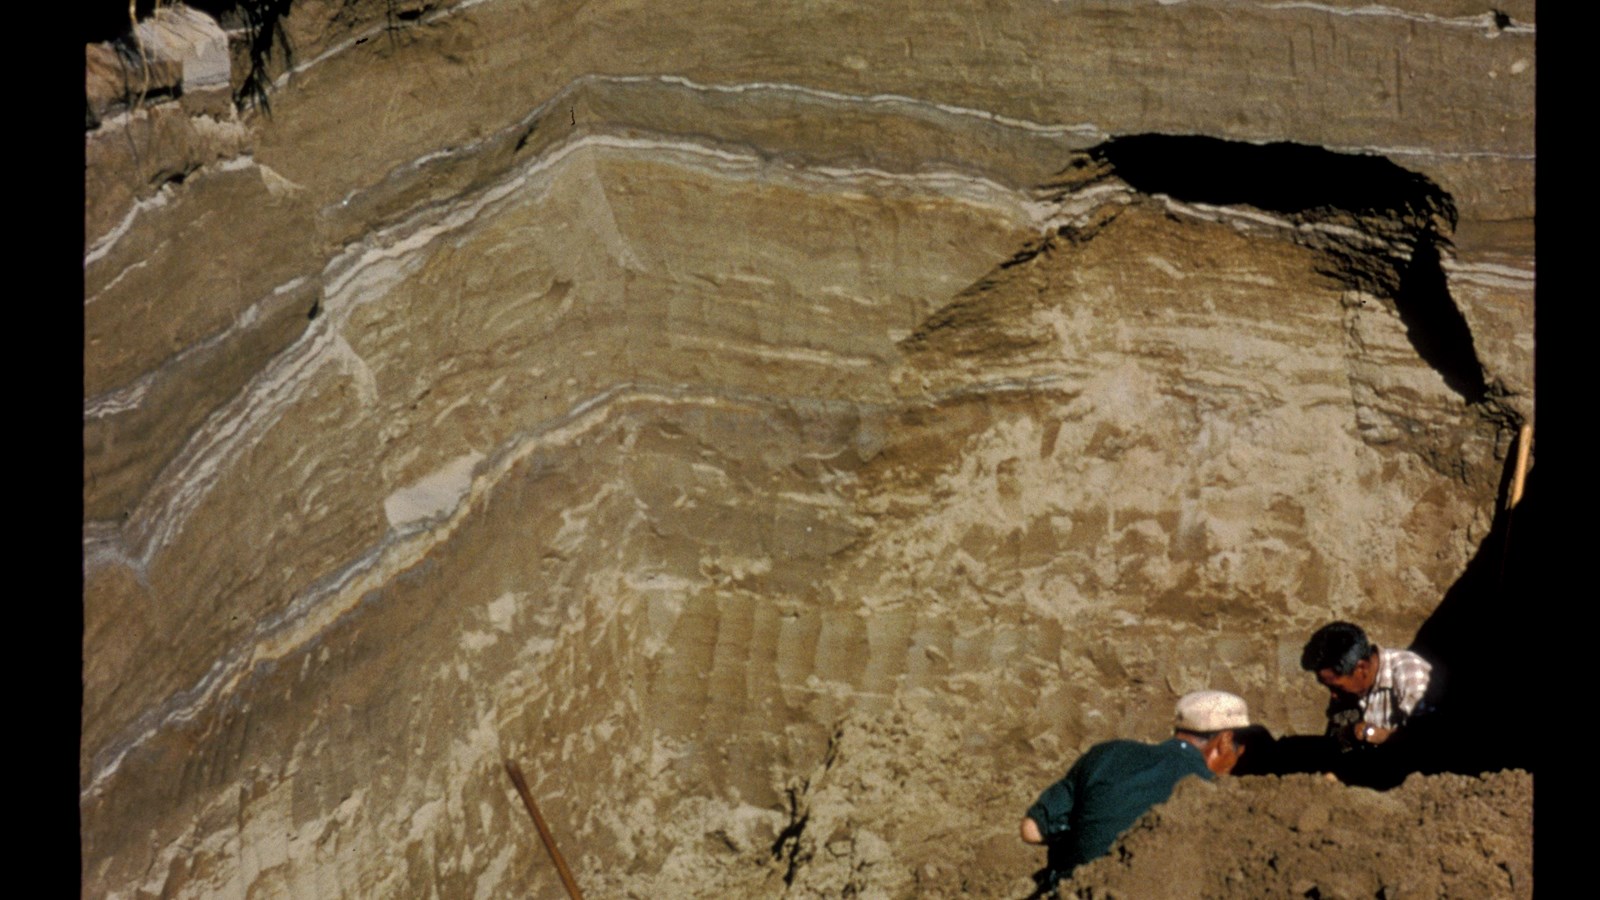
(1202, 735)
(1337, 646)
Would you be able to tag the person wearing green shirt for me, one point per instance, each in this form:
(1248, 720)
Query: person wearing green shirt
(1115, 782)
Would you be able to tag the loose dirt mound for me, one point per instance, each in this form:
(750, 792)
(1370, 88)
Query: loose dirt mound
(908, 803)
(1303, 836)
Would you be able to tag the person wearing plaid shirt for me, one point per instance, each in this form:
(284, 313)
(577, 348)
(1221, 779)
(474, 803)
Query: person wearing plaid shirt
(1375, 690)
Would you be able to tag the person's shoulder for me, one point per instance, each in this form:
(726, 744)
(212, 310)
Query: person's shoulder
(1178, 747)
(1115, 745)
(1128, 745)
(1405, 657)
(1150, 752)
(1114, 748)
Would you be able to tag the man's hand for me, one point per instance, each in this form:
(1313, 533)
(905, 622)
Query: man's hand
(1364, 733)
(1030, 831)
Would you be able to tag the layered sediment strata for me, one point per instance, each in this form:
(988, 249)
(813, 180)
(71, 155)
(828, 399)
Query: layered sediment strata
(643, 397)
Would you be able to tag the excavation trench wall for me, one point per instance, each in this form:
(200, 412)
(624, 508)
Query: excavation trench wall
(792, 435)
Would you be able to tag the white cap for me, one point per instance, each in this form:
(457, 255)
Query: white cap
(1205, 711)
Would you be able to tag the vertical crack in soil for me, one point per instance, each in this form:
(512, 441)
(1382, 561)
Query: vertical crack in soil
(788, 848)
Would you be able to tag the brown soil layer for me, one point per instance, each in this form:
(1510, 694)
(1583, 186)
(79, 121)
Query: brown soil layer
(1305, 836)
(908, 802)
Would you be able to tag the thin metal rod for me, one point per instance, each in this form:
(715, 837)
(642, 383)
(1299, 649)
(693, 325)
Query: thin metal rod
(515, 772)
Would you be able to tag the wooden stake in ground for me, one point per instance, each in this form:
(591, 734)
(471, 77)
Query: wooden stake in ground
(515, 772)
(1519, 477)
(1520, 473)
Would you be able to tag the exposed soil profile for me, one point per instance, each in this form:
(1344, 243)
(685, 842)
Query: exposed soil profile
(1304, 836)
(793, 434)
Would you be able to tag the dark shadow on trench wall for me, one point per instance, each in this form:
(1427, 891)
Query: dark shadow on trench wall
(1281, 177)
(1484, 640)
(1407, 212)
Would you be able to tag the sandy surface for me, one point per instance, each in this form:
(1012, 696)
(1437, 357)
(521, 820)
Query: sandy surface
(908, 804)
(1303, 836)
